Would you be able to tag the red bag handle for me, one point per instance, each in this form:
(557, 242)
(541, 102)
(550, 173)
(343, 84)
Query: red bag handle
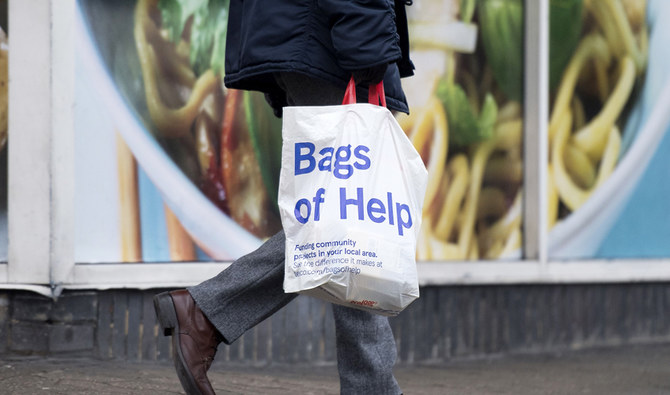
(350, 93)
(375, 93)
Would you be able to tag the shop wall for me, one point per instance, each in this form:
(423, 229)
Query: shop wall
(156, 220)
(444, 324)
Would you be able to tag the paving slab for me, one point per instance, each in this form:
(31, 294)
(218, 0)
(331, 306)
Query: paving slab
(640, 369)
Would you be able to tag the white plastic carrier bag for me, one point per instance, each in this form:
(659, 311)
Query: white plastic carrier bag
(350, 196)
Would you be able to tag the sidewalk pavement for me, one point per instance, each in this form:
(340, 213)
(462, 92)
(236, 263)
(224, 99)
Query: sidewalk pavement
(641, 369)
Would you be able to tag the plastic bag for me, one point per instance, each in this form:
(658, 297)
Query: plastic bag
(350, 196)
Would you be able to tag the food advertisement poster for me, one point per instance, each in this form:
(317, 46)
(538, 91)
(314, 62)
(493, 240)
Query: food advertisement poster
(172, 166)
(609, 166)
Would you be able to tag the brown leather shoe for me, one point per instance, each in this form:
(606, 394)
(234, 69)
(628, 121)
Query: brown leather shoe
(194, 339)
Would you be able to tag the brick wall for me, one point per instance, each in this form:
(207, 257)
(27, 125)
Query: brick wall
(445, 323)
(34, 324)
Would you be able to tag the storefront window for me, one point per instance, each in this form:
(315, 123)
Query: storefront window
(161, 180)
(171, 179)
(224, 151)
(608, 164)
(466, 103)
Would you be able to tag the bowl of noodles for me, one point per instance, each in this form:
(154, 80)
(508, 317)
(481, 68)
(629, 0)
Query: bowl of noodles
(172, 119)
(643, 120)
(214, 153)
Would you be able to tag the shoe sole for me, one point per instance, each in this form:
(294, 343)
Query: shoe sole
(167, 319)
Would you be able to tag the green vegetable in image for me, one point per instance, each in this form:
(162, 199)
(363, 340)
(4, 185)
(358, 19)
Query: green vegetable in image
(501, 25)
(467, 10)
(465, 126)
(565, 28)
(265, 134)
(501, 31)
(208, 30)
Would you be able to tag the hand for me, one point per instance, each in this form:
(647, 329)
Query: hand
(370, 76)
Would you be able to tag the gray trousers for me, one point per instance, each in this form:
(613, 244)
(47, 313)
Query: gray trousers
(251, 289)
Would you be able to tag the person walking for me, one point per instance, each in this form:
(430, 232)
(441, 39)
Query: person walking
(299, 53)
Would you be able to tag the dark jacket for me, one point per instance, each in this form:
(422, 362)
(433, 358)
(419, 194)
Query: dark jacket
(325, 39)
